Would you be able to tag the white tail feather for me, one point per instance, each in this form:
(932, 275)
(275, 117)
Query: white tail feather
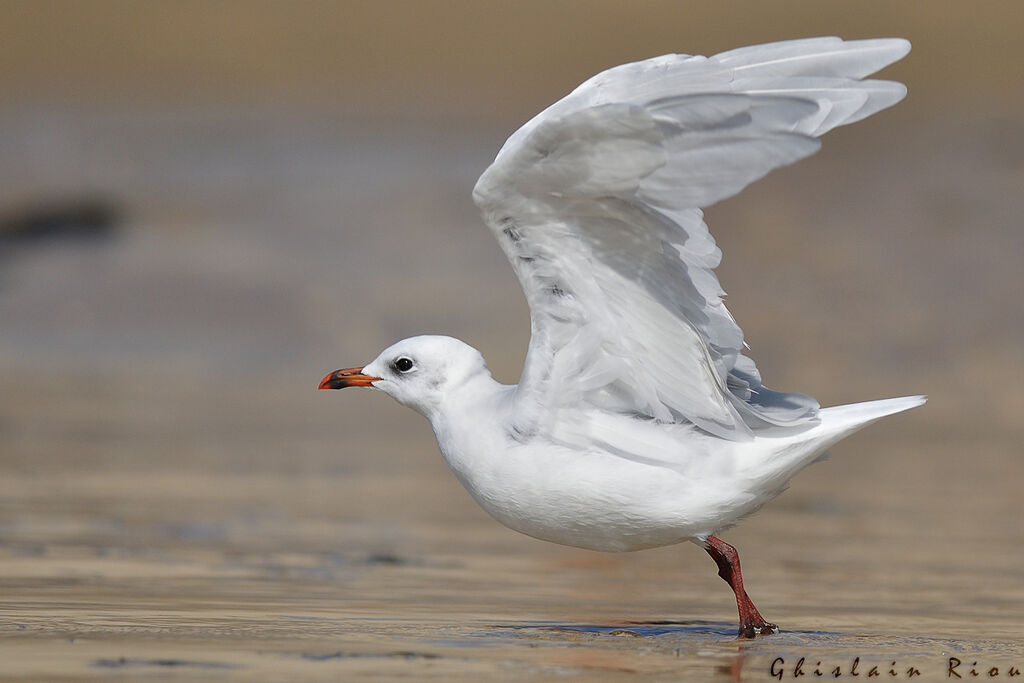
(772, 471)
(853, 416)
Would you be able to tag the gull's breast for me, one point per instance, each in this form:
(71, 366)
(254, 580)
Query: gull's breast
(589, 498)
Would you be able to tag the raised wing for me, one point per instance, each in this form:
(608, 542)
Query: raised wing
(596, 202)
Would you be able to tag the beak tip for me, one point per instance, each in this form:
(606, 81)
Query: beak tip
(347, 377)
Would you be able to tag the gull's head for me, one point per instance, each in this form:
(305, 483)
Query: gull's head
(419, 372)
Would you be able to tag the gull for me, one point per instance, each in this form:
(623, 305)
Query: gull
(638, 420)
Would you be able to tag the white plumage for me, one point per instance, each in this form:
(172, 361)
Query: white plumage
(638, 421)
(598, 199)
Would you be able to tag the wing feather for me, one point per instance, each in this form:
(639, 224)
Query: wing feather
(597, 203)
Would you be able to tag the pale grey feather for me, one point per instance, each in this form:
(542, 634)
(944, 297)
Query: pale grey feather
(596, 202)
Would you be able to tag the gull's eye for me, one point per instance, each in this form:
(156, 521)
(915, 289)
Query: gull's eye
(403, 364)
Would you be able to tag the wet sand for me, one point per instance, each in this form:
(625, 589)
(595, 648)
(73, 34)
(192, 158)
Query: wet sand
(283, 576)
(176, 500)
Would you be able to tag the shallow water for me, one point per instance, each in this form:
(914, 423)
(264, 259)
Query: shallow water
(177, 500)
(241, 576)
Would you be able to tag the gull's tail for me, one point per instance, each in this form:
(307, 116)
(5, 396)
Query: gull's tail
(849, 418)
(789, 454)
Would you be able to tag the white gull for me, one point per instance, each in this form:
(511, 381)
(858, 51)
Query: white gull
(638, 421)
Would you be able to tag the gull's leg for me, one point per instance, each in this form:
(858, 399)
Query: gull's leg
(728, 561)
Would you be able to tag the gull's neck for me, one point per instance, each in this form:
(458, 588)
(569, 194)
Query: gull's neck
(470, 422)
(474, 397)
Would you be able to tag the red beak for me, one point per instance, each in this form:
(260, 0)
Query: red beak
(347, 377)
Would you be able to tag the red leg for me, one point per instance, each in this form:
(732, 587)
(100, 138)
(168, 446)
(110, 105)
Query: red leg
(728, 561)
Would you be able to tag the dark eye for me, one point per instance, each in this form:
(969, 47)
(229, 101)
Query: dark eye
(403, 364)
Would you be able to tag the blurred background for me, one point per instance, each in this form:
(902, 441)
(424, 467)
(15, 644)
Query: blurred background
(206, 206)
